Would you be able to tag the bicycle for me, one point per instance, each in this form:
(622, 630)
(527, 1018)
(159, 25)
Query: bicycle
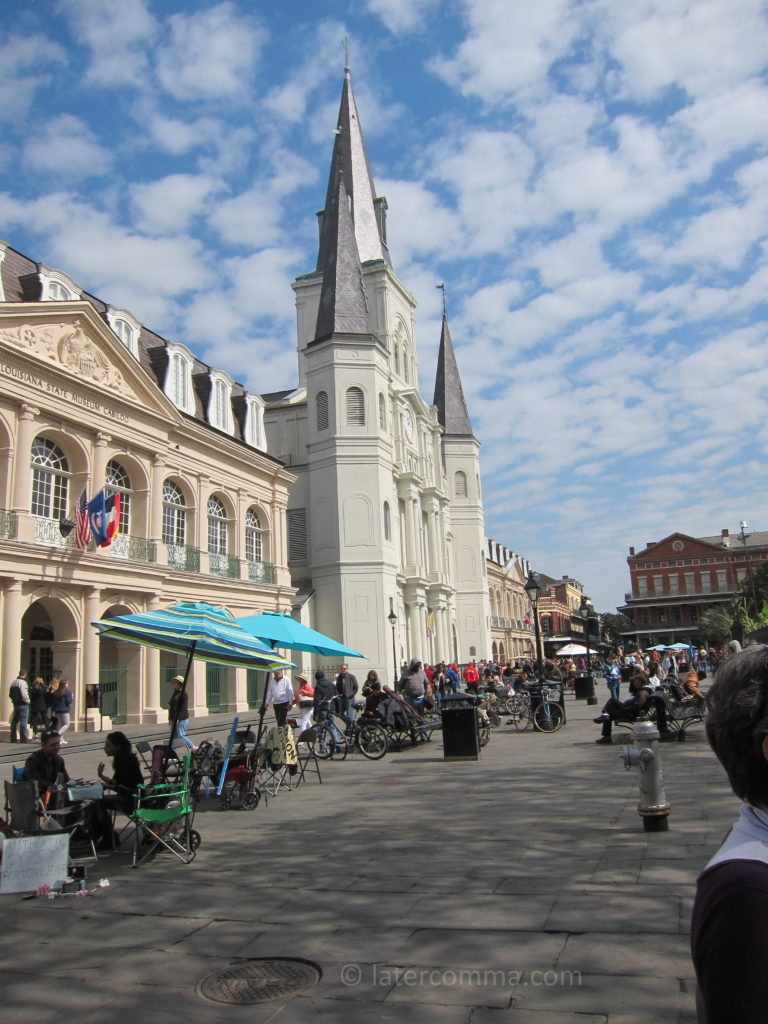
(548, 713)
(337, 737)
(518, 707)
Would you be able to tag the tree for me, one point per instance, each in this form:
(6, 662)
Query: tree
(614, 625)
(715, 626)
(752, 597)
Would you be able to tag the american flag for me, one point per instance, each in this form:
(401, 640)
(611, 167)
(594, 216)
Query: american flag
(82, 526)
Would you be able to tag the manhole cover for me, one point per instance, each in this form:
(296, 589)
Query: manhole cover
(258, 981)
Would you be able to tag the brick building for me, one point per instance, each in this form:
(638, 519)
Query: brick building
(676, 579)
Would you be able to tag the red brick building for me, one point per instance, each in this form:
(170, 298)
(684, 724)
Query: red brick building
(676, 579)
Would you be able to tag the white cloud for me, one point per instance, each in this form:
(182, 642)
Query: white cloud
(210, 55)
(27, 64)
(118, 36)
(67, 149)
(168, 205)
(402, 16)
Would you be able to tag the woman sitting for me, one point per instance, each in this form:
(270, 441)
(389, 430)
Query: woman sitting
(126, 780)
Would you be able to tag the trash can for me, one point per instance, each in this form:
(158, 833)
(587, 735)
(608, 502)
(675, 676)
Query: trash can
(585, 688)
(461, 735)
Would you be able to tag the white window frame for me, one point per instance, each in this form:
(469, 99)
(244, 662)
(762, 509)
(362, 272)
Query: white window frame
(179, 391)
(254, 422)
(55, 280)
(126, 327)
(220, 402)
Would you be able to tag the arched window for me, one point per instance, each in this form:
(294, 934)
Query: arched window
(219, 402)
(322, 410)
(355, 407)
(406, 365)
(174, 514)
(254, 549)
(460, 484)
(397, 359)
(387, 522)
(119, 481)
(50, 480)
(126, 328)
(217, 527)
(382, 412)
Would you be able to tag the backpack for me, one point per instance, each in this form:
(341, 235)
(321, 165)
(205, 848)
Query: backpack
(15, 694)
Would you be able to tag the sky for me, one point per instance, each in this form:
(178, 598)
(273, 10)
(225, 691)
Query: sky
(588, 178)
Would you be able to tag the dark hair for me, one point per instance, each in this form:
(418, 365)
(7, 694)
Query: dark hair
(372, 676)
(737, 722)
(49, 734)
(119, 740)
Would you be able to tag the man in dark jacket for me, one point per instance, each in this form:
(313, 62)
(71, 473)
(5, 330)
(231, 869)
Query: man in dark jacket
(46, 766)
(19, 694)
(346, 687)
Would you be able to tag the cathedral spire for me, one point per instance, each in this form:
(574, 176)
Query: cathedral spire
(452, 414)
(343, 305)
(349, 165)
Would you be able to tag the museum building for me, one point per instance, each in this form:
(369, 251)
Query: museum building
(91, 400)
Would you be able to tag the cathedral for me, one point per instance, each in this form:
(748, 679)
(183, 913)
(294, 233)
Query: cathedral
(347, 501)
(385, 520)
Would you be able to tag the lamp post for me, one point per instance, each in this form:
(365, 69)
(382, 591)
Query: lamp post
(392, 619)
(533, 589)
(587, 612)
(743, 527)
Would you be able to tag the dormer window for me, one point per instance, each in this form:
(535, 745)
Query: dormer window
(254, 422)
(178, 378)
(126, 328)
(220, 402)
(55, 286)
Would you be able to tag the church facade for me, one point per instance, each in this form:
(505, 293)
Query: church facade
(385, 521)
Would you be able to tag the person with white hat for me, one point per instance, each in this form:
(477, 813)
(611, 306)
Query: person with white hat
(178, 711)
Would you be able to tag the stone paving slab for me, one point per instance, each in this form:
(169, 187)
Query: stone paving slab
(531, 860)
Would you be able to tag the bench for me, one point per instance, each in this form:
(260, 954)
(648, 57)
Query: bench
(681, 716)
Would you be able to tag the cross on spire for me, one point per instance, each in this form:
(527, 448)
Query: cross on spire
(345, 44)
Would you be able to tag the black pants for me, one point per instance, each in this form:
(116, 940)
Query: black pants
(281, 713)
(618, 710)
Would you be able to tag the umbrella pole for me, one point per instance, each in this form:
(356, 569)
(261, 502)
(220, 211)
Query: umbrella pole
(175, 716)
(262, 711)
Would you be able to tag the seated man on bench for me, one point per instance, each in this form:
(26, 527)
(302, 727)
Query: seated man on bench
(640, 700)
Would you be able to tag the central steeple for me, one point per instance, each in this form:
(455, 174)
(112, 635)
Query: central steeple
(352, 228)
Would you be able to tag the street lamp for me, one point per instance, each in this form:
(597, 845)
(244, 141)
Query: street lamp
(392, 619)
(587, 612)
(533, 590)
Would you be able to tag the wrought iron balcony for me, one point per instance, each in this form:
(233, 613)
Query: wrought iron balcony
(183, 557)
(7, 524)
(139, 549)
(223, 565)
(261, 572)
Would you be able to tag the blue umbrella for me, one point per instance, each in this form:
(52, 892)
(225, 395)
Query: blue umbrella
(283, 631)
(196, 629)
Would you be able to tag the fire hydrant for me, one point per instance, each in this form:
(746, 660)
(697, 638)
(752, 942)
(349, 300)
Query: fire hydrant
(653, 806)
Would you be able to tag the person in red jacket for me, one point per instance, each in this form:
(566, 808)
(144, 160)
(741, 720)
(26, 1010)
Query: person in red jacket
(471, 677)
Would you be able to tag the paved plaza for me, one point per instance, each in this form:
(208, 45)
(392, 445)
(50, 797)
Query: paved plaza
(520, 888)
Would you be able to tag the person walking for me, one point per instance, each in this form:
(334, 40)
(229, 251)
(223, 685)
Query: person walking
(178, 712)
(304, 702)
(279, 695)
(19, 694)
(62, 707)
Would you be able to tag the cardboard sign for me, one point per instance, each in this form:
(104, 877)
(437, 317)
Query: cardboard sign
(33, 861)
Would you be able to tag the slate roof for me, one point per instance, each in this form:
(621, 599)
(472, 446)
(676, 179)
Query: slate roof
(452, 413)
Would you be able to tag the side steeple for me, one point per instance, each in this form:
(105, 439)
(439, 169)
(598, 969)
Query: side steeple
(452, 413)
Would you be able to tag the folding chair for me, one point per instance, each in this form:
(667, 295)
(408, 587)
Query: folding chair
(27, 815)
(163, 819)
(307, 755)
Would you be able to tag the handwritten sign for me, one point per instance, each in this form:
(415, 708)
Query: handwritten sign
(33, 861)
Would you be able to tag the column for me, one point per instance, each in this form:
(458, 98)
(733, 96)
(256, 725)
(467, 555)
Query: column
(12, 613)
(156, 498)
(151, 673)
(91, 648)
(25, 433)
(414, 634)
(100, 461)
